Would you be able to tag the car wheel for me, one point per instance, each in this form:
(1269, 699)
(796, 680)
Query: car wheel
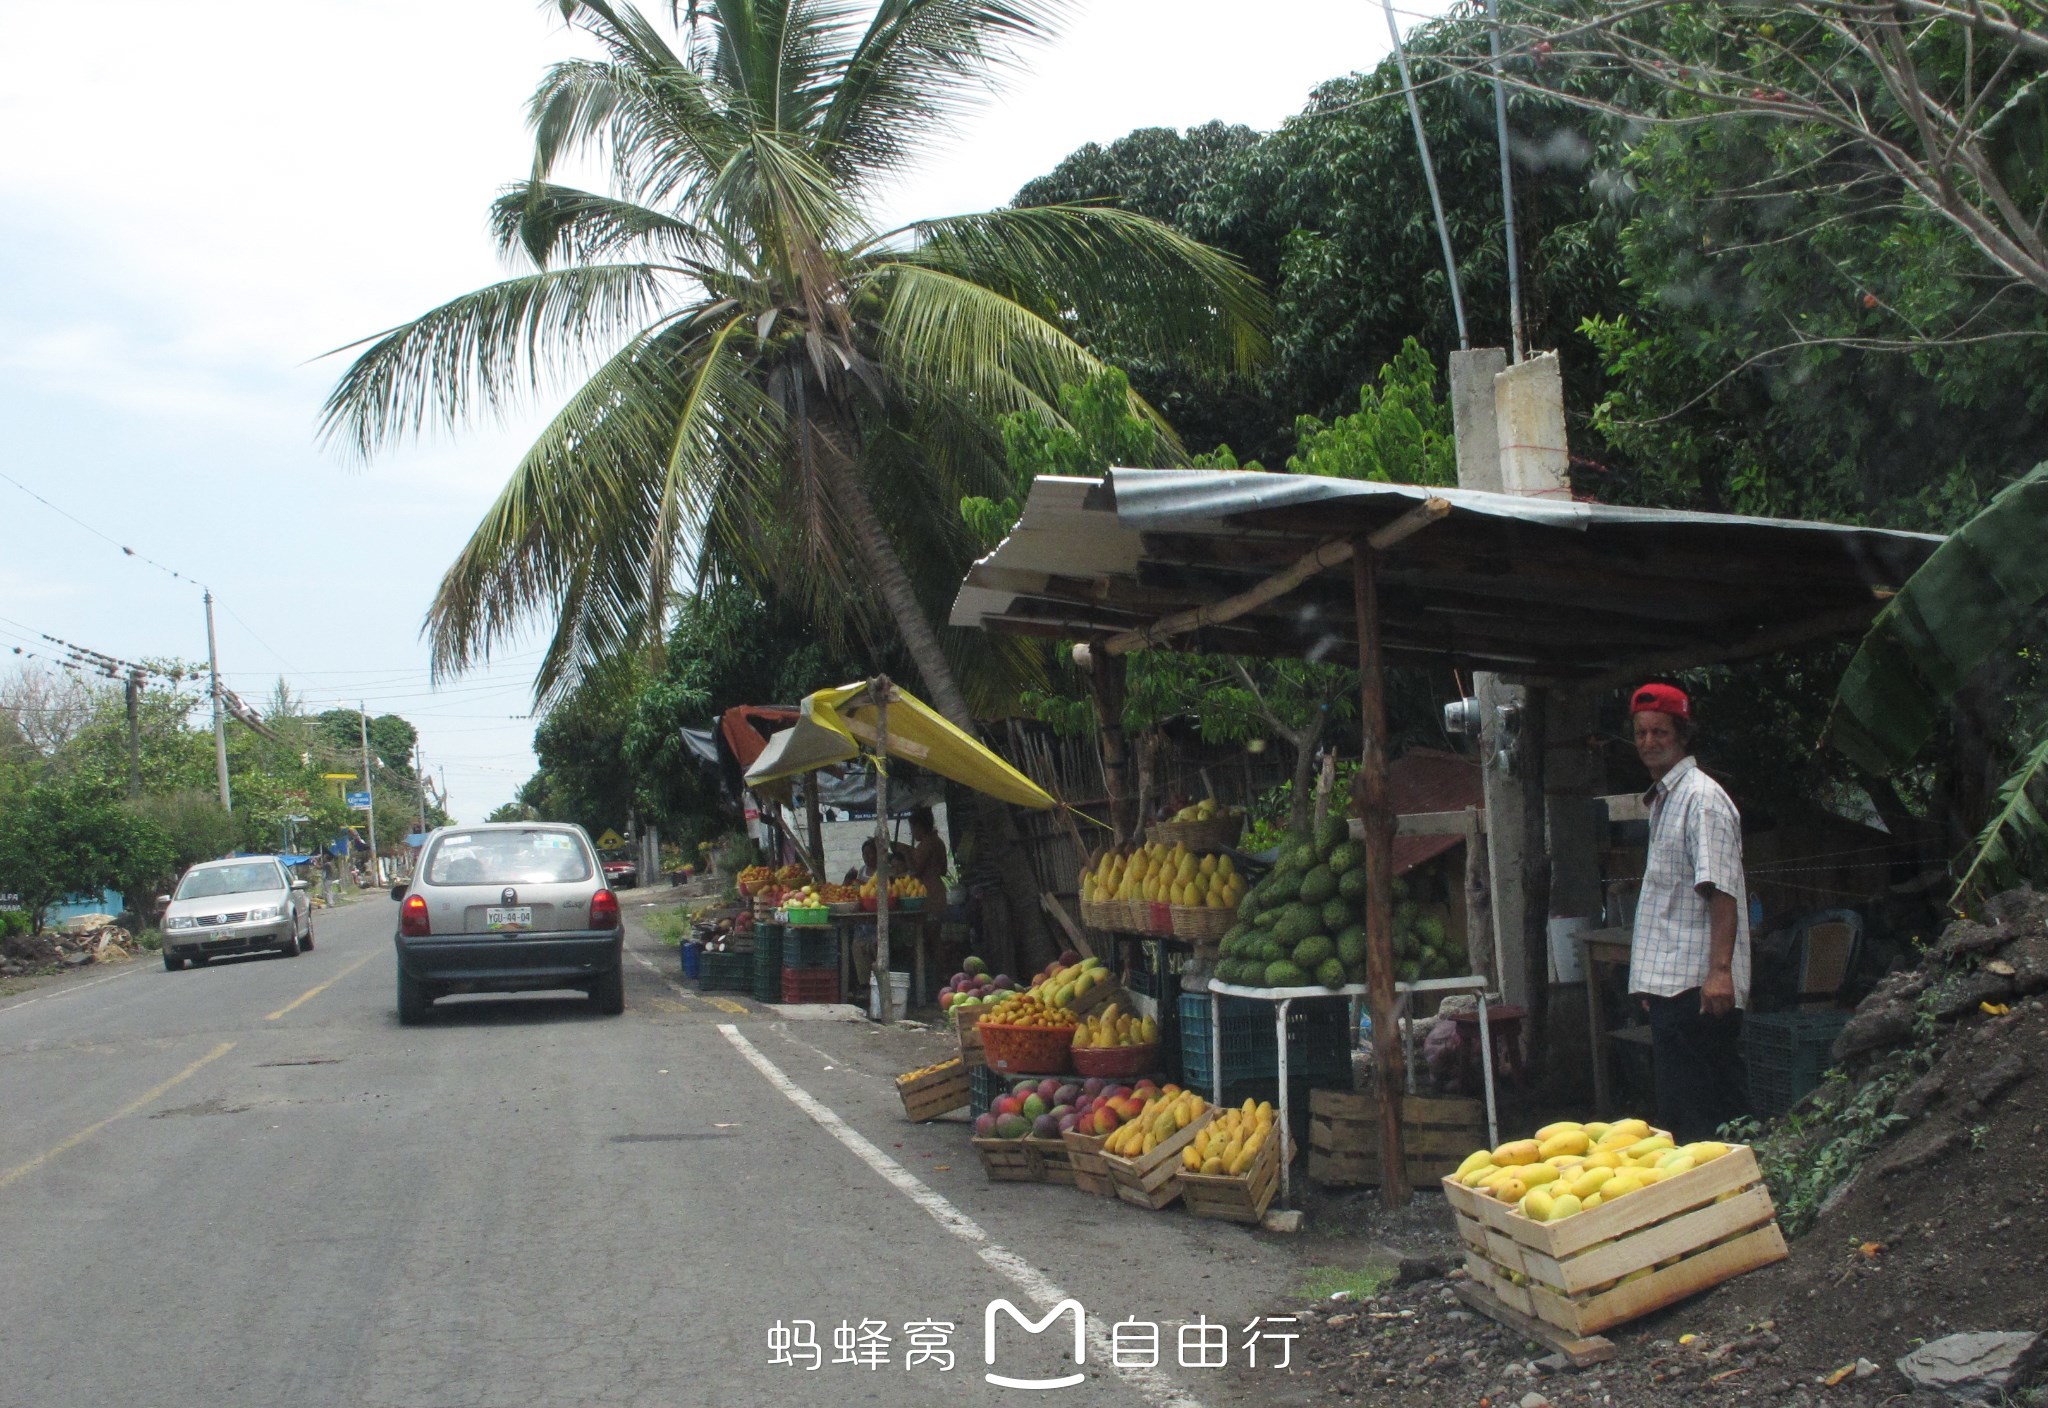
(609, 993)
(307, 942)
(172, 963)
(290, 947)
(413, 1001)
(200, 960)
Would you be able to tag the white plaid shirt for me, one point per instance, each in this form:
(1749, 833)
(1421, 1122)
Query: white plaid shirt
(1695, 839)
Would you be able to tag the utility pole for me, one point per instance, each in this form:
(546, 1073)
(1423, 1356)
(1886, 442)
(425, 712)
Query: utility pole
(134, 692)
(220, 726)
(370, 787)
(419, 772)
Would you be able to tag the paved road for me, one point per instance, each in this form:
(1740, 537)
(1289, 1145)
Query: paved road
(248, 1185)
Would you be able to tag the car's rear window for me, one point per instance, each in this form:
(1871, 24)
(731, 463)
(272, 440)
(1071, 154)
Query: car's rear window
(507, 858)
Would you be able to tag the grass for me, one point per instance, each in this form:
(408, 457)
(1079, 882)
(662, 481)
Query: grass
(670, 926)
(1322, 1282)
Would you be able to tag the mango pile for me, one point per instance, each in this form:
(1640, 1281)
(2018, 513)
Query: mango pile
(1208, 809)
(1111, 1027)
(1165, 875)
(1021, 1009)
(1172, 1112)
(1569, 1168)
(1229, 1144)
(1067, 979)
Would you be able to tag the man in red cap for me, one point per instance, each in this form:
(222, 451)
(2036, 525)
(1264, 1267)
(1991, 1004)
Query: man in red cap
(1689, 961)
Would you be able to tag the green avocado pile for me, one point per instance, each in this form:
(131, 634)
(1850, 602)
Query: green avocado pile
(1305, 922)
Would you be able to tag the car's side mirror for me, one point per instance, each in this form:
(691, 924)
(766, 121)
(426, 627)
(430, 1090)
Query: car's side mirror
(298, 884)
(163, 899)
(398, 892)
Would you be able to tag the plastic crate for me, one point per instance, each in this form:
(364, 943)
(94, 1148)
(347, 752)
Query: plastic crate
(726, 972)
(692, 952)
(985, 1087)
(810, 985)
(1787, 1053)
(1318, 1039)
(768, 945)
(810, 948)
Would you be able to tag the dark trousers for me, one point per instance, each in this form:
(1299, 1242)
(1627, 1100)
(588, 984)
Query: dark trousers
(1701, 1084)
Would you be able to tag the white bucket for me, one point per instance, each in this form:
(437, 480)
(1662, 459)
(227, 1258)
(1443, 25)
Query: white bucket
(899, 991)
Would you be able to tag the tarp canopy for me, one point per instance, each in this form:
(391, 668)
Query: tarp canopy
(1537, 588)
(836, 722)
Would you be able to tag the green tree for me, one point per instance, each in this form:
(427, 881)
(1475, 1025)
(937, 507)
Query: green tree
(57, 841)
(1400, 434)
(194, 826)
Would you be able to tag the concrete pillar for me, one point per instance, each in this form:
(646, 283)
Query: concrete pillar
(1473, 403)
(1529, 419)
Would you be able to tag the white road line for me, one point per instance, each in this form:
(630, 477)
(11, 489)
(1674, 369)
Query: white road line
(51, 996)
(1154, 1385)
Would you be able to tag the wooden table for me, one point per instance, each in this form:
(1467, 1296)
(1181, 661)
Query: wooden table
(850, 925)
(1597, 947)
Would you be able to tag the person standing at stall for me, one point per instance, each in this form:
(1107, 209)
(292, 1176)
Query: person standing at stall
(1689, 958)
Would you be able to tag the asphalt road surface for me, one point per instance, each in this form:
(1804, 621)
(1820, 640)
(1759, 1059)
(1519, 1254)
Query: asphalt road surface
(248, 1185)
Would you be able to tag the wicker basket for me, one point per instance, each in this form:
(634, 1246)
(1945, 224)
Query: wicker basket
(1159, 918)
(1101, 914)
(1040, 1050)
(1211, 835)
(1115, 1062)
(1201, 924)
(1126, 915)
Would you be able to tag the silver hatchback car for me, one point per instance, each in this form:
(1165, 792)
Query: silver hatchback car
(507, 907)
(245, 904)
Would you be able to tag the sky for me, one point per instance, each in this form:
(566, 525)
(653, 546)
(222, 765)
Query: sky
(202, 201)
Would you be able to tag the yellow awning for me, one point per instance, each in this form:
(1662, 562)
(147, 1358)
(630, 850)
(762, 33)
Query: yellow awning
(837, 722)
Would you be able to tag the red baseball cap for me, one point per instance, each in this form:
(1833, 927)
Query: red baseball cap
(1663, 698)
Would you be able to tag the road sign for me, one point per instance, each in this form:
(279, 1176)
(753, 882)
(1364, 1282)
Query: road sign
(339, 776)
(610, 841)
(359, 800)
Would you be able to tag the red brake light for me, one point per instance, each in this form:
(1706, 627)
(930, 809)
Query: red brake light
(604, 910)
(412, 917)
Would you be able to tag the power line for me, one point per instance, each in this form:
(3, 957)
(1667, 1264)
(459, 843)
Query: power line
(128, 551)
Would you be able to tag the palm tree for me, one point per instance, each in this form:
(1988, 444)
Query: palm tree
(763, 375)
(760, 382)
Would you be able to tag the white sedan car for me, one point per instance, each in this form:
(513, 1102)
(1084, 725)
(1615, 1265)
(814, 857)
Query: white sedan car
(245, 904)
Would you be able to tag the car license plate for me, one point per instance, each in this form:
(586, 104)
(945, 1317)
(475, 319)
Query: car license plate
(509, 917)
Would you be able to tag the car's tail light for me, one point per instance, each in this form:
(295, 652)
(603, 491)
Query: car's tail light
(412, 917)
(604, 910)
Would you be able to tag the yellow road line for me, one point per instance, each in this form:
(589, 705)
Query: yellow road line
(726, 1004)
(310, 993)
(63, 1145)
(669, 1004)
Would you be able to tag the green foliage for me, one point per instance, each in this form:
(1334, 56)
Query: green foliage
(2014, 843)
(1400, 434)
(56, 841)
(193, 823)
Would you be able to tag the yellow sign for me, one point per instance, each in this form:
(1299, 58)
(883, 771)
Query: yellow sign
(339, 776)
(610, 841)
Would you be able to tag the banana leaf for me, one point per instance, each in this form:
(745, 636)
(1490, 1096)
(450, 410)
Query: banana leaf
(1962, 605)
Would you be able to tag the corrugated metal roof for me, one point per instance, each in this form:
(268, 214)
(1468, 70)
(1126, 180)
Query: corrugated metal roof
(1535, 587)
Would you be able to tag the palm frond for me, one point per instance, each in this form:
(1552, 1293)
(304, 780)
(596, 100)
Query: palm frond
(590, 521)
(487, 349)
(553, 224)
(1962, 604)
(2016, 827)
(918, 65)
(1168, 296)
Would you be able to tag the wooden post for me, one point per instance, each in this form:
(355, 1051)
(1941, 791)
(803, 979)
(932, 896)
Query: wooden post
(1106, 680)
(884, 985)
(1371, 802)
(817, 826)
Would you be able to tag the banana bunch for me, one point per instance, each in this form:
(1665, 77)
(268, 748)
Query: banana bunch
(1172, 1112)
(1230, 1143)
(1569, 1167)
(1111, 1027)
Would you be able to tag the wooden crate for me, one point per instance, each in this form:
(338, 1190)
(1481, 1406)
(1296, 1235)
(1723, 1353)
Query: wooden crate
(1009, 1160)
(967, 1026)
(1099, 997)
(1689, 1232)
(1153, 1180)
(1243, 1198)
(1091, 1172)
(1344, 1137)
(939, 1091)
(1055, 1160)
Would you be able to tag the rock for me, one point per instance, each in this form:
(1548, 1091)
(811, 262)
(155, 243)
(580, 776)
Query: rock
(1997, 1078)
(1975, 1367)
(1914, 1153)
(2021, 910)
(1535, 1400)
(1876, 1025)
(2029, 959)
(1961, 995)
(1916, 1099)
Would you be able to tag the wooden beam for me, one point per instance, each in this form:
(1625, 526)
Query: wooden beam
(1765, 642)
(1057, 912)
(1330, 554)
(1371, 801)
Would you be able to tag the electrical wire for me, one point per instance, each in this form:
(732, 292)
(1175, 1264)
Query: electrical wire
(128, 551)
